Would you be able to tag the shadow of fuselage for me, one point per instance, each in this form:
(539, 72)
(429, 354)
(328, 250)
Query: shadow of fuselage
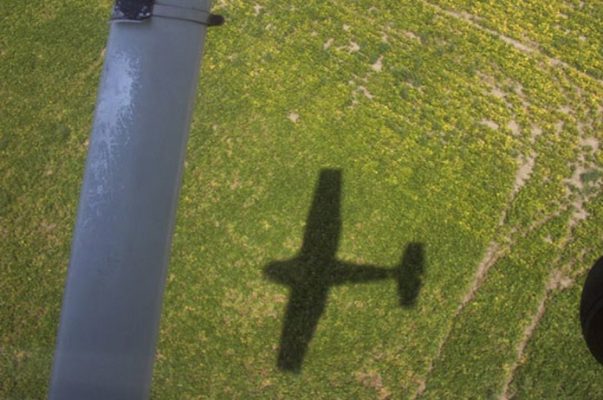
(312, 273)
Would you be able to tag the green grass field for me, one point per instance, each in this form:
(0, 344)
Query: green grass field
(469, 130)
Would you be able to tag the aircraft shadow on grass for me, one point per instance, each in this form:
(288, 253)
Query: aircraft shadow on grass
(312, 273)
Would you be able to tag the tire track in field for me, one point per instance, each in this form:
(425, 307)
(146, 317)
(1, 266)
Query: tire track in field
(494, 252)
(497, 249)
(558, 280)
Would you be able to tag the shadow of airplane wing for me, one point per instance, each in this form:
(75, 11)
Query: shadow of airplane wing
(323, 224)
(284, 272)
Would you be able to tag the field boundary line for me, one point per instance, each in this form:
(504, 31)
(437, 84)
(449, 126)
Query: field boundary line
(494, 252)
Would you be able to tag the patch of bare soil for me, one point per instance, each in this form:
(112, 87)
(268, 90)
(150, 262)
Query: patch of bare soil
(327, 44)
(373, 380)
(293, 117)
(489, 123)
(514, 127)
(523, 173)
(536, 131)
(366, 93)
(584, 190)
(352, 47)
(378, 65)
(412, 36)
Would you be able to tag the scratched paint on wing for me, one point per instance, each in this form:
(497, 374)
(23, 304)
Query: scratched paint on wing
(111, 134)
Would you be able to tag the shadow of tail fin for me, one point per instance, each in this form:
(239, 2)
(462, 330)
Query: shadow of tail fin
(409, 274)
